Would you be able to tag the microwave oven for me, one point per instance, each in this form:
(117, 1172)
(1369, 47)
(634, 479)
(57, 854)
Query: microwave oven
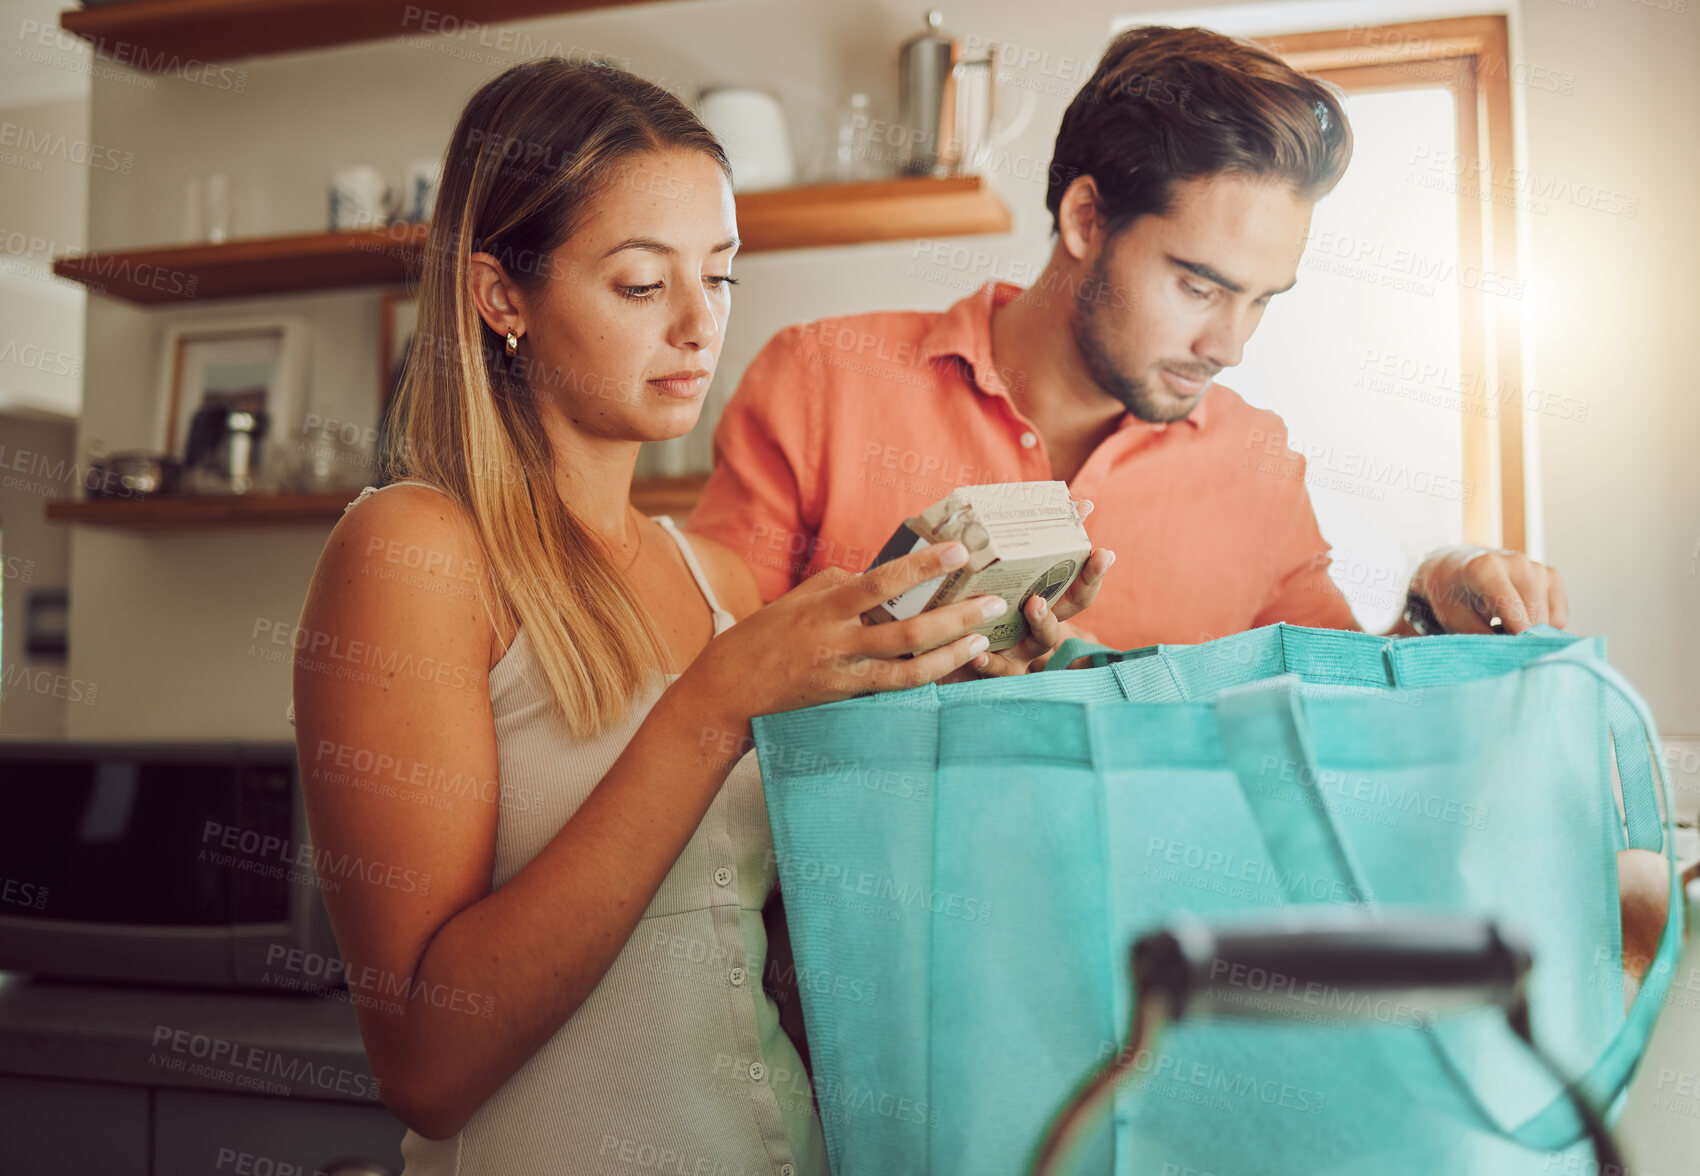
(166, 863)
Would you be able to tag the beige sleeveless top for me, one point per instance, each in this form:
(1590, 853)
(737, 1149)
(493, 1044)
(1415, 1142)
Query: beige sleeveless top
(676, 1062)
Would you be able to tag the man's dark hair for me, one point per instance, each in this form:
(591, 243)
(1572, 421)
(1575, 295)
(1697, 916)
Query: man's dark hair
(1168, 104)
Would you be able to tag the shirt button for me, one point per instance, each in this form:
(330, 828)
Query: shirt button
(758, 1071)
(736, 976)
(723, 877)
(787, 1170)
(1029, 439)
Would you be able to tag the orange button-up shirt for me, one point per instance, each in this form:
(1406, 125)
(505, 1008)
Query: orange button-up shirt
(844, 427)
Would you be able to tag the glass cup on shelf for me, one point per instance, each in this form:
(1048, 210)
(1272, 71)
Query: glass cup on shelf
(844, 149)
(215, 209)
(327, 456)
(850, 157)
(208, 208)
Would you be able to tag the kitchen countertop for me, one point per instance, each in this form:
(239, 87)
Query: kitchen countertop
(251, 1043)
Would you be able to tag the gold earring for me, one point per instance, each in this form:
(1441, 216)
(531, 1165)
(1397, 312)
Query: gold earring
(513, 342)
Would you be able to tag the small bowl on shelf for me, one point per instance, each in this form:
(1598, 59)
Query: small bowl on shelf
(136, 474)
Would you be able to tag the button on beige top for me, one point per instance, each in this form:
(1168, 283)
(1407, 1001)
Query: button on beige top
(657, 1062)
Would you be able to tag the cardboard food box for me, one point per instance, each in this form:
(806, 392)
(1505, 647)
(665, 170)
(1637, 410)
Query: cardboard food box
(1023, 538)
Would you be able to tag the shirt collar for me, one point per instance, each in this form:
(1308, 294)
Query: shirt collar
(965, 332)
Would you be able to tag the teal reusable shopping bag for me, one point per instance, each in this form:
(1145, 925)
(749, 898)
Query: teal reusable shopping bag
(964, 867)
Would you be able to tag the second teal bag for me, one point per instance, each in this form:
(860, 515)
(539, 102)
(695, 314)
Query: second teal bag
(965, 866)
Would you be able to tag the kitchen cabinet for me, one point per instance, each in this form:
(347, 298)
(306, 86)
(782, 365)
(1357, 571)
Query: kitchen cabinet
(82, 1090)
(54, 1126)
(199, 1134)
(73, 1127)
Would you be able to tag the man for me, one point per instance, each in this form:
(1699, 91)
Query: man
(1180, 192)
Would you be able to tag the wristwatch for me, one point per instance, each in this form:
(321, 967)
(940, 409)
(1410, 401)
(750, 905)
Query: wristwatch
(1419, 614)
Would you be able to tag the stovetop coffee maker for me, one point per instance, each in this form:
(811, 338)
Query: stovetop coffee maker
(223, 449)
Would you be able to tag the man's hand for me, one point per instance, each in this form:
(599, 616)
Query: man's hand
(1468, 587)
(1047, 626)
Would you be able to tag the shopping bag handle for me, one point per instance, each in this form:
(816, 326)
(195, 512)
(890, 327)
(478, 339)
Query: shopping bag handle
(1337, 656)
(1303, 839)
(1419, 662)
(1608, 1078)
(1075, 648)
(1557, 1126)
(1269, 715)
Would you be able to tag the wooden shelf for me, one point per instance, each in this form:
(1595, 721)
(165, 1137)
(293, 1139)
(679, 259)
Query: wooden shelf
(253, 266)
(674, 496)
(878, 210)
(789, 218)
(190, 512)
(157, 36)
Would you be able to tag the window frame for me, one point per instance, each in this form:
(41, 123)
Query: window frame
(1469, 57)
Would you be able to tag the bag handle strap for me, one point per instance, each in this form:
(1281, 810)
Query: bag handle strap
(1423, 661)
(1266, 739)
(1314, 652)
(1635, 774)
(1634, 767)
(1331, 656)
(1556, 1126)
(1074, 648)
(1262, 726)
(1607, 1079)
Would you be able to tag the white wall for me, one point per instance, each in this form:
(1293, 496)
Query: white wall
(43, 213)
(1613, 310)
(35, 692)
(44, 118)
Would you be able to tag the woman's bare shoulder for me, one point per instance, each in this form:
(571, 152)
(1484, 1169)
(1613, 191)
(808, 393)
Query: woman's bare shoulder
(408, 511)
(733, 583)
(407, 551)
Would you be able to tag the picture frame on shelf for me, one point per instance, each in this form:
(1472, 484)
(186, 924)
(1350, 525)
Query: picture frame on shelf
(257, 364)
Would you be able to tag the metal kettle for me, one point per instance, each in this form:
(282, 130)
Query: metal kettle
(945, 104)
(224, 447)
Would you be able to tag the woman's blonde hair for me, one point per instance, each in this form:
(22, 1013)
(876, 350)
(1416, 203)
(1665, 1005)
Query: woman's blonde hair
(532, 148)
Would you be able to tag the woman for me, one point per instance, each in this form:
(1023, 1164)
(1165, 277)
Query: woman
(530, 730)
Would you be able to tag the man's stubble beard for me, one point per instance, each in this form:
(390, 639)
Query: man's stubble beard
(1085, 327)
